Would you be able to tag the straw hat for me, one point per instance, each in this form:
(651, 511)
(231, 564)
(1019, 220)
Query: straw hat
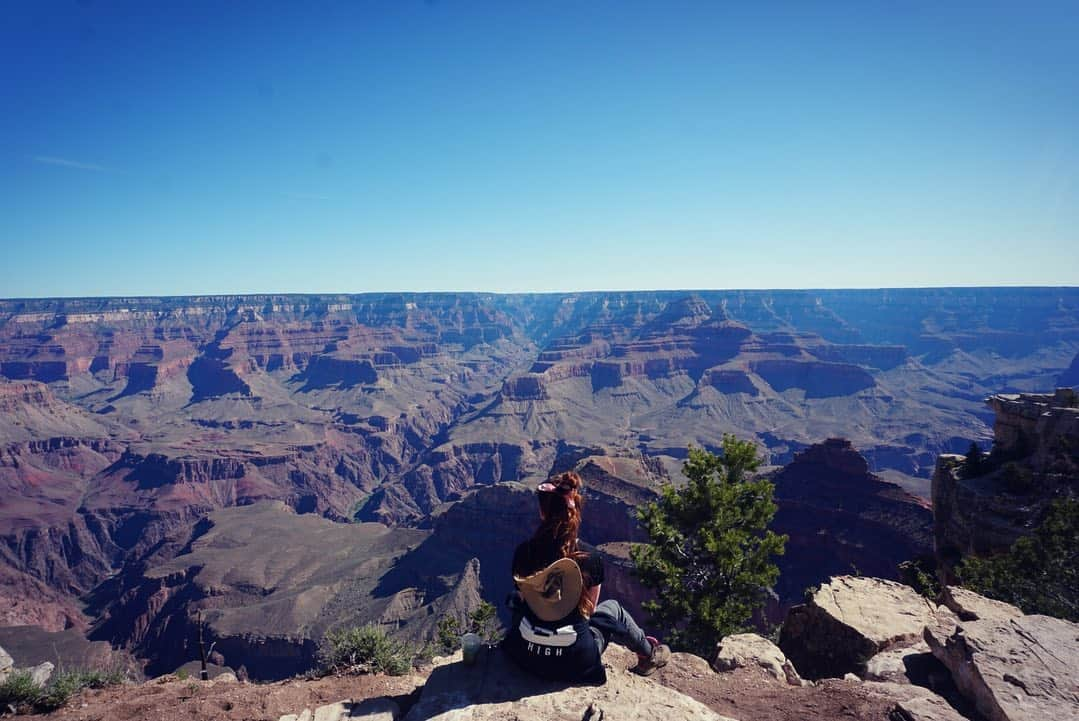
(554, 592)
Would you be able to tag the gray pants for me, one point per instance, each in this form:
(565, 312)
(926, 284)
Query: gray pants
(611, 622)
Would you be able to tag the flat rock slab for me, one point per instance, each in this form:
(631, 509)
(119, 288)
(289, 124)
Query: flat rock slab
(496, 689)
(851, 619)
(1014, 669)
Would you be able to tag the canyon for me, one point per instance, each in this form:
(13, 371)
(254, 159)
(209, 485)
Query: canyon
(288, 463)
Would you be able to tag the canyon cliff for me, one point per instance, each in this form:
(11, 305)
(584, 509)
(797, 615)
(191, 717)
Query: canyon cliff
(129, 424)
(1034, 459)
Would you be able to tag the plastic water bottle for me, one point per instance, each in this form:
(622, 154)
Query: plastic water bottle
(470, 646)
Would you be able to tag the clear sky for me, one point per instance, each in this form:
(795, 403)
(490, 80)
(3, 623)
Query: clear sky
(223, 147)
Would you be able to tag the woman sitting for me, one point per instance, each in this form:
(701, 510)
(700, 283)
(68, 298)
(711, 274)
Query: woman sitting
(561, 629)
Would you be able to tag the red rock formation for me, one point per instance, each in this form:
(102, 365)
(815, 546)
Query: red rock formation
(840, 517)
(1033, 461)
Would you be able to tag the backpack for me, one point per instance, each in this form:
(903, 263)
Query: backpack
(564, 649)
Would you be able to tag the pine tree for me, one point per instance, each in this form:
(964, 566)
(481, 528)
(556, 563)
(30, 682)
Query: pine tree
(710, 556)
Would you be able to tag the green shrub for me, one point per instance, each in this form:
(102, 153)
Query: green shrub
(65, 684)
(482, 621)
(1040, 572)
(19, 691)
(367, 649)
(921, 575)
(449, 634)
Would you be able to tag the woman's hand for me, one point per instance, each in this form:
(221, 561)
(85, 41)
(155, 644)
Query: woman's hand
(592, 594)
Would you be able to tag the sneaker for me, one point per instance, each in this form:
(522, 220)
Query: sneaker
(661, 654)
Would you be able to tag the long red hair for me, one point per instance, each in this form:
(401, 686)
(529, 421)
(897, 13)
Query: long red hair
(557, 532)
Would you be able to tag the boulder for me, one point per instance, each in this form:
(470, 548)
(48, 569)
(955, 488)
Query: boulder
(893, 664)
(748, 649)
(914, 703)
(970, 606)
(7, 664)
(1014, 669)
(851, 619)
(687, 664)
(41, 673)
(373, 709)
(494, 688)
(334, 711)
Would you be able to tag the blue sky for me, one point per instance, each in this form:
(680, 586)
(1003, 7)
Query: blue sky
(183, 147)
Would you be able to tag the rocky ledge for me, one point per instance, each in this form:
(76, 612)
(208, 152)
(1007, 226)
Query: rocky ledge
(988, 662)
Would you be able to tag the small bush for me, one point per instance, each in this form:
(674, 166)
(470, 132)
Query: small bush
(19, 691)
(449, 634)
(367, 649)
(921, 575)
(482, 621)
(65, 684)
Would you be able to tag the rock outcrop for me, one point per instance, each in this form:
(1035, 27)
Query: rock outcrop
(1014, 669)
(495, 689)
(1034, 461)
(849, 620)
(837, 515)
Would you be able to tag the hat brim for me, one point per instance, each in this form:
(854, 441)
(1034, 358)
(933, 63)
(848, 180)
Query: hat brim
(570, 584)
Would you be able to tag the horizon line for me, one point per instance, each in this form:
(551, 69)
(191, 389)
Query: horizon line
(272, 294)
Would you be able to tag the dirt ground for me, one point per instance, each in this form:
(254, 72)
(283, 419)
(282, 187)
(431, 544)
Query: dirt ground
(751, 694)
(754, 695)
(744, 694)
(192, 700)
